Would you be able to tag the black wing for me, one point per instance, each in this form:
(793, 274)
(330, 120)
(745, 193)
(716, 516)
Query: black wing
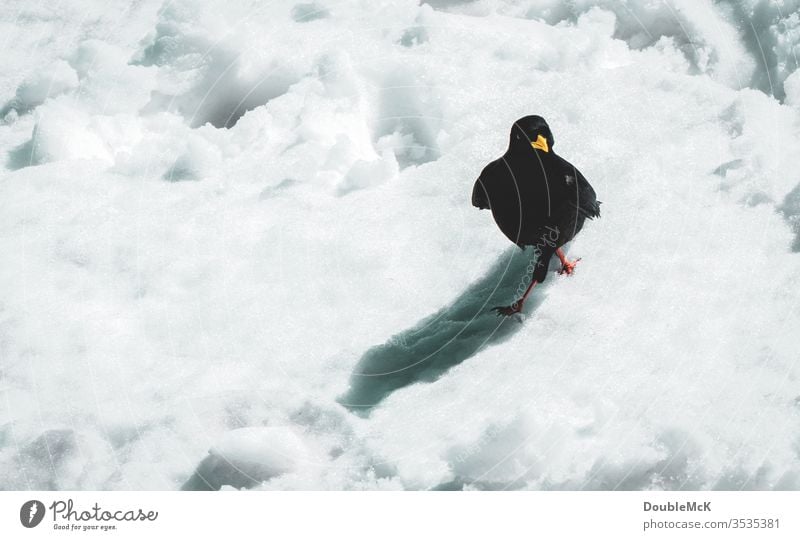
(480, 196)
(484, 186)
(585, 201)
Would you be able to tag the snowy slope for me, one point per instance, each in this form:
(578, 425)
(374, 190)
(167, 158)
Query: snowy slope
(239, 248)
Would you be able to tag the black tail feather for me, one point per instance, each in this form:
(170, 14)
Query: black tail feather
(590, 211)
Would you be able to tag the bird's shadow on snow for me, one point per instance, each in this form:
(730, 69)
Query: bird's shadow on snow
(424, 352)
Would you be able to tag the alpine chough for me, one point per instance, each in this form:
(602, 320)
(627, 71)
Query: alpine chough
(537, 199)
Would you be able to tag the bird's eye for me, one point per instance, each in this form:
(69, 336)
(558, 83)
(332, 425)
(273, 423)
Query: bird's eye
(518, 137)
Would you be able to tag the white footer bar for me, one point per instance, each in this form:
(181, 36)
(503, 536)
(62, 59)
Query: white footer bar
(400, 515)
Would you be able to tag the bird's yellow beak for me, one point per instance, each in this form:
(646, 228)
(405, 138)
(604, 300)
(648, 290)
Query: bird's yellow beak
(540, 144)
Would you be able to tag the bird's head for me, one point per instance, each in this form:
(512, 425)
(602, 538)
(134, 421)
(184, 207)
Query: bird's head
(531, 133)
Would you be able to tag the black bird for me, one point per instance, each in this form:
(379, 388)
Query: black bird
(537, 198)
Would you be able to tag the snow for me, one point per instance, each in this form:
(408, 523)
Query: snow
(239, 245)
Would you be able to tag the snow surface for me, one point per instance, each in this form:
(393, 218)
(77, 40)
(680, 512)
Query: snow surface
(238, 246)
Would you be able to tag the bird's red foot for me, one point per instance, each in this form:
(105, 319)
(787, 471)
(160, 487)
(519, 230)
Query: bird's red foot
(568, 267)
(508, 311)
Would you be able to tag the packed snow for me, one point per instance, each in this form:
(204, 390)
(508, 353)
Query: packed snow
(239, 251)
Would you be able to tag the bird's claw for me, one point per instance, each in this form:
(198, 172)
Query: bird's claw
(508, 311)
(568, 267)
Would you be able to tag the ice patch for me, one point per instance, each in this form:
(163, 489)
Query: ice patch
(408, 119)
(248, 456)
(771, 33)
(61, 133)
(198, 159)
(792, 88)
(310, 11)
(791, 210)
(50, 81)
(208, 81)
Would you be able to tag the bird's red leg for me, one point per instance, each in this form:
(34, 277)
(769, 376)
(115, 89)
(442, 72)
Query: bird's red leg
(516, 307)
(567, 266)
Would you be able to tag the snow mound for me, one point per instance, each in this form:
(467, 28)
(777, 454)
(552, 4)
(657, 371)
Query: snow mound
(51, 81)
(245, 457)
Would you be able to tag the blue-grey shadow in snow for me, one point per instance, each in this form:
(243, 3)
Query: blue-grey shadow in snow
(426, 351)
